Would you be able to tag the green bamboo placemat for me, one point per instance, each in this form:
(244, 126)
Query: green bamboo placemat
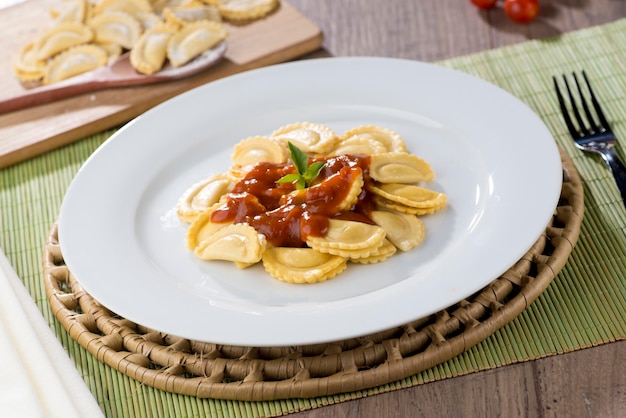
(584, 305)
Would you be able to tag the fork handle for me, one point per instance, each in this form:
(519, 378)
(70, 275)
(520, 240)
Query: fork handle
(618, 170)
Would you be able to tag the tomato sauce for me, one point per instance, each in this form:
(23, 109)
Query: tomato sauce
(287, 216)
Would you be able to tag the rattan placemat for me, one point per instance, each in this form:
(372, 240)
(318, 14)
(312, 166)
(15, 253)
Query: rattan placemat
(209, 370)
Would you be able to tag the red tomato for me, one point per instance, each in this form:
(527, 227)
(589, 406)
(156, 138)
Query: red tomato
(521, 11)
(484, 4)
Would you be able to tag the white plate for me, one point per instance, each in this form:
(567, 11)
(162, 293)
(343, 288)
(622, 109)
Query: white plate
(492, 155)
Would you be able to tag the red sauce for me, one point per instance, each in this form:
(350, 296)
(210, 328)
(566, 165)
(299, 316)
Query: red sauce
(287, 216)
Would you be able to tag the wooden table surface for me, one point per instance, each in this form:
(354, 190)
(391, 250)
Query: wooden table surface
(585, 383)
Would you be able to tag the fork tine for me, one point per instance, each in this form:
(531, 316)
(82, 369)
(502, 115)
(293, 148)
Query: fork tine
(596, 105)
(592, 122)
(573, 102)
(568, 120)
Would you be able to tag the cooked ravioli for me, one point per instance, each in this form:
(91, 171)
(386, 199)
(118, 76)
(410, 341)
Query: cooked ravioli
(377, 137)
(398, 207)
(348, 235)
(409, 195)
(301, 265)
(235, 242)
(201, 228)
(258, 149)
(352, 193)
(356, 254)
(356, 145)
(386, 250)
(400, 167)
(403, 230)
(202, 196)
(309, 137)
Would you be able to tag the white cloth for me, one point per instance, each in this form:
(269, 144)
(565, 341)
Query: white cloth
(37, 377)
(8, 3)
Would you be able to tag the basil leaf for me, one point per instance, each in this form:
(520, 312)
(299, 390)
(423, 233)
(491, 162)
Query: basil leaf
(313, 170)
(299, 158)
(306, 173)
(289, 178)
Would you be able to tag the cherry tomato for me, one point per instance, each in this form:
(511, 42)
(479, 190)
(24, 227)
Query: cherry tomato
(521, 11)
(484, 4)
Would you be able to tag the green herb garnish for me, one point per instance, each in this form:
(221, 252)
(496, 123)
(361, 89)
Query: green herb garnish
(305, 173)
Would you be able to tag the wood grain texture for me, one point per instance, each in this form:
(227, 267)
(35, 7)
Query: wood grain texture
(433, 30)
(585, 383)
(282, 36)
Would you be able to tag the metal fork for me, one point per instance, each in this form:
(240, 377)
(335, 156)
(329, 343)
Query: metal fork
(591, 136)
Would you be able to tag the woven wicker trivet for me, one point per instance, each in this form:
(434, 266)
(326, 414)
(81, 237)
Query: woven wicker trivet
(253, 373)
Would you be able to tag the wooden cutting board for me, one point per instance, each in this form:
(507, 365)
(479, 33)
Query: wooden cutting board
(284, 35)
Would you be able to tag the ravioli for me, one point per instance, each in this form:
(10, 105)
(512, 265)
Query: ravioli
(404, 231)
(70, 11)
(400, 167)
(309, 137)
(256, 149)
(409, 195)
(74, 61)
(348, 235)
(202, 195)
(361, 208)
(116, 27)
(201, 228)
(238, 242)
(382, 139)
(61, 37)
(386, 250)
(150, 51)
(246, 9)
(302, 265)
(191, 12)
(28, 66)
(129, 6)
(193, 39)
